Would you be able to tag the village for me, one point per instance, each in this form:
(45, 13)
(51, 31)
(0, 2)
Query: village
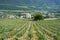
(24, 15)
(28, 15)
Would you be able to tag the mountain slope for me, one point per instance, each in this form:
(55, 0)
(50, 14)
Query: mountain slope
(49, 5)
(31, 2)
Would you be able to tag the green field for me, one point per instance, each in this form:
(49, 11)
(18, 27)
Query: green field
(24, 29)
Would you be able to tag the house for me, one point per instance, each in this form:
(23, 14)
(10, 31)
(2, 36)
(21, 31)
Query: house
(49, 15)
(28, 15)
(21, 17)
(11, 16)
(25, 15)
(2, 16)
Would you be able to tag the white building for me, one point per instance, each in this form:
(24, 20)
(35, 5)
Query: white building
(2, 16)
(25, 15)
(21, 17)
(28, 15)
(11, 16)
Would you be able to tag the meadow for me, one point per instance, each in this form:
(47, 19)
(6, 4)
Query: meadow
(24, 29)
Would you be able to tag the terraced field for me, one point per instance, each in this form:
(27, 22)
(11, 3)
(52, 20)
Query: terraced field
(24, 29)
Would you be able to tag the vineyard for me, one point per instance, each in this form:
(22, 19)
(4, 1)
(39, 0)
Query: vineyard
(24, 29)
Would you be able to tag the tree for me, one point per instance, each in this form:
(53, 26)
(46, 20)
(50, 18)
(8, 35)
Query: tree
(38, 17)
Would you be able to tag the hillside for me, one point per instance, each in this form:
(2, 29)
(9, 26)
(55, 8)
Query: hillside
(31, 5)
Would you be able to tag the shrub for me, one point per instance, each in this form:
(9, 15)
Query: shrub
(38, 17)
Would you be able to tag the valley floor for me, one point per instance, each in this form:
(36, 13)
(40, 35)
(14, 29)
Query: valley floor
(24, 29)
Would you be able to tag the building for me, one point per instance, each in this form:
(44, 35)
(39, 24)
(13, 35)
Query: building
(28, 15)
(11, 16)
(25, 15)
(49, 15)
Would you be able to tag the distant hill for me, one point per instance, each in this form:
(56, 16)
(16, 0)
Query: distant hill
(31, 5)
